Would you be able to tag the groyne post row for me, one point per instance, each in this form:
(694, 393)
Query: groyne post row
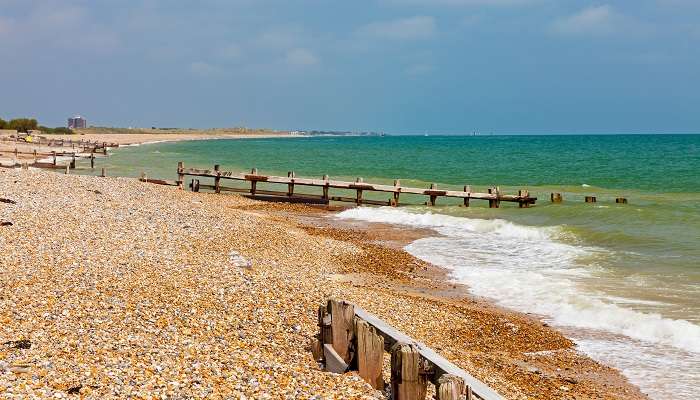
(82, 145)
(350, 338)
(494, 195)
(558, 198)
(74, 155)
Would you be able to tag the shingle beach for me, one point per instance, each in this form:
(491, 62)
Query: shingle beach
(114, 288)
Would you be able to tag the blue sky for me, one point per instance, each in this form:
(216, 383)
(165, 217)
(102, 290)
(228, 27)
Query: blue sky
(400, 66)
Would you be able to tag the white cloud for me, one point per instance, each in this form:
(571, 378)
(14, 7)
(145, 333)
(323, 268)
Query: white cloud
(598, 20)
(465, 2)
(204, 69)
(418, 27)
(230, 51)
(301, 57)
(60, 27)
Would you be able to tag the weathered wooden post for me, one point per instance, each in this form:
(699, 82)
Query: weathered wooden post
(72, 161)
(325, 188)
(524, 195)
(104, 147)
(16, 153)
(35, 157)
(494, 203)
(370, 354)
(556, 198)
(342, 328)
(450, 387)
(621, 200)
(290, 185)
(407, 382)
(180, 174)
(590, 199)
(358, 197)
(397, 191)
(92, 160)
(217, 179)
(67, 169)
(104, 172)
(431, 202)
(468, 190)
(253, 181)
(53, 153)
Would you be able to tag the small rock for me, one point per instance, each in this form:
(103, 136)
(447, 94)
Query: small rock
(75, 389)
(238, 260)
(19, 344)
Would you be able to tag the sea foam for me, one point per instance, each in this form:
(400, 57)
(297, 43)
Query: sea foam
(527, 269)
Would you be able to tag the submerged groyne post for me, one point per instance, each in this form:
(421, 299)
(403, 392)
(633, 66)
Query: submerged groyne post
(180, 174)
(621, 200)
(433, 197)
(495, 202)
(407, 382)
(556, 198)
(450, 387)
(397, 191)
(290, 186)
(358, 197)
(325, 188)
(590, 199)
(104, 172)
(524, 195)
(217, 179)
(467, 189)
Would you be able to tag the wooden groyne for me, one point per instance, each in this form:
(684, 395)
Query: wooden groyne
(53, 155)
(493, 196)
(81, 145)
(350, 338)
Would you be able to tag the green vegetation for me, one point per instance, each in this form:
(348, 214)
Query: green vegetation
(25, 125)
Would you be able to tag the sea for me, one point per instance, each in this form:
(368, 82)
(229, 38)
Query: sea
(621, 280)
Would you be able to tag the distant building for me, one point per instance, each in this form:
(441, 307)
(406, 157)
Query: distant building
(77, 122)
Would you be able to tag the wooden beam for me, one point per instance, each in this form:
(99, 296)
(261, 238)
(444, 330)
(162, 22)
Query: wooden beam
(217, 180)
(359, 185)
(407, 382)
(450, 387)
(370, 354)
(440, 365)
(180, 174)
(342, 327)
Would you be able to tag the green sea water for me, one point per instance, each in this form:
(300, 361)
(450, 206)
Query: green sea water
(629, 272)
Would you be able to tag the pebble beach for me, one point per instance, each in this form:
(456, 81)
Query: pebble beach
(114, 288)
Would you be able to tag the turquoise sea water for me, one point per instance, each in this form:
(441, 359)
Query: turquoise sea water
(622, 280)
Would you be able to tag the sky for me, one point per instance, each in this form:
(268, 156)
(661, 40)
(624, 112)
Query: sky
(397, 66)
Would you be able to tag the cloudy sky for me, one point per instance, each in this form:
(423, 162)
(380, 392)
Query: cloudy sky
(400, 66)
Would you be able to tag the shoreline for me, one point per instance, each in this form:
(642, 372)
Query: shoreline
(298, 262)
